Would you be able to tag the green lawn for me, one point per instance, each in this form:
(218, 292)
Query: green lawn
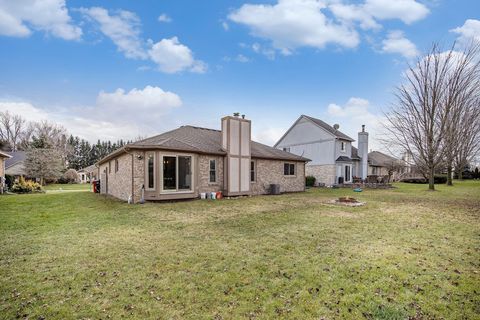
(68, 187)
(407, 253)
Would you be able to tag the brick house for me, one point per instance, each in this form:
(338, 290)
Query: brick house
(3, 157)
(182, 163)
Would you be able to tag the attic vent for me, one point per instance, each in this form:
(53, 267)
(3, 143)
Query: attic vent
(336, 126)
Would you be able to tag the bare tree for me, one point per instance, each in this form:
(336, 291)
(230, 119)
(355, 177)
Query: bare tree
(11, 129)
(434, 87)
(463, 92)
(44, 164)
(468, 144)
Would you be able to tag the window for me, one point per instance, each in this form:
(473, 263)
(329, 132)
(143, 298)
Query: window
(252, 171)
(177, 173)
(342, 146)
(109, 166)
(286, 149)
(213, 171)
(374, 171)
(169, 173)
(289, 169)
(347, 173)
(116, 165)
(150, 171)
(184, 173)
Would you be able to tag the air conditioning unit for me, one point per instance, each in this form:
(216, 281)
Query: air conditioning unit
(274, 189)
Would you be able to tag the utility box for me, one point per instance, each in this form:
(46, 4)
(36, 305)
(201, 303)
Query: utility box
(274, 189)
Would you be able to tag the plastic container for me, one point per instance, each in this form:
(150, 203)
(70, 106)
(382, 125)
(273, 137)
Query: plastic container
(213, 195)
(203, 195)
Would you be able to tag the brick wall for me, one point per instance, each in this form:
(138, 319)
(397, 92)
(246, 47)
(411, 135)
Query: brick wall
(118, 184)
(323, 173)
(203, 174)
(271, 172)
(2, 174)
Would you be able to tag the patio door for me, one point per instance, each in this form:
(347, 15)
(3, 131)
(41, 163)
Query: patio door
(348, 173)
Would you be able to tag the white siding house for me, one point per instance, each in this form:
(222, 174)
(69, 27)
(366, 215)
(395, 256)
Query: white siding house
(333, 158)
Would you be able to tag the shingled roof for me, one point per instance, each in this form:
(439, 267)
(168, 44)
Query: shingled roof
(204, 141)
(15, 157)
(329, 128)
(379, 159)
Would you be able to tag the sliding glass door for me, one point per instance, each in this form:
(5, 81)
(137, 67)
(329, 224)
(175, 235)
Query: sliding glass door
(177, 173)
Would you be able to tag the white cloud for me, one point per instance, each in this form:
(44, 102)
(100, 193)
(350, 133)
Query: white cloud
(225, 26)
(115, 115)
(268, 52)
(469, 31)
(151, 100)
(349, 13)
(290, 24)
(242, 58)
(408, 11)
(164, 18)
(397, 43)
(352, 115)
(123, 29)
(171, 56)
(19, 17)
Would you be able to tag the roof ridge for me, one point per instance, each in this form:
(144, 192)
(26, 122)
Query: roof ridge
(200, 128)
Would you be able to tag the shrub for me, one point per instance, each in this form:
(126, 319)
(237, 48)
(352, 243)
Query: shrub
(438, 179)
(70, 176)
(310, 181)
(23, 186)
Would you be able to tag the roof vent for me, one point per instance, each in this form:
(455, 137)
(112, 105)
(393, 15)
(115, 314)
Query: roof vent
(336, 126)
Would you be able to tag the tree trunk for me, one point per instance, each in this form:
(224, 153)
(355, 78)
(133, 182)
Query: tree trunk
(449, 176)
(431, 179)
(460, 174)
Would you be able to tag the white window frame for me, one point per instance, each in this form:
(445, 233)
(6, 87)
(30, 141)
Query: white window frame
(210, 171)
(192, 168)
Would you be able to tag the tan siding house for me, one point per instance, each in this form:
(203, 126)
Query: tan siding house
(188, 161)
(3, 157)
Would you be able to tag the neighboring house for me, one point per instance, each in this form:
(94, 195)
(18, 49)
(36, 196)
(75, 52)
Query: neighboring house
(3, 157)
(188, 161)
(87, 174)
(381, 164)
(333, 158)
(15, 165)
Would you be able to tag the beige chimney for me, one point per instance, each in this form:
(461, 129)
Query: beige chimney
(236, 137)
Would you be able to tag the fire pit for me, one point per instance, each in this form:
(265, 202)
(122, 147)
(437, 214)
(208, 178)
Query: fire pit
(347, 201)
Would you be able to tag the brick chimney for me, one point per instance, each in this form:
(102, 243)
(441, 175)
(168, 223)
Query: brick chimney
(236, 137)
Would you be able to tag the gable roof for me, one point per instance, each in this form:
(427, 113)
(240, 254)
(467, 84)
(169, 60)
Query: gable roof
(15, 157)
(88, 169)
(379, 159)
(337, 133)
(355, 155)
(204, 141)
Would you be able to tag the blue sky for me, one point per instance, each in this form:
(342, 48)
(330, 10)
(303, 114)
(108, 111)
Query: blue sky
(119, 69)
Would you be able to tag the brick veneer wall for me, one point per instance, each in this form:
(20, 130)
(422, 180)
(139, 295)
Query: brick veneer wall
(120, 182)
(2, 174)
(323, 173)
(203, 174)
(271, 172)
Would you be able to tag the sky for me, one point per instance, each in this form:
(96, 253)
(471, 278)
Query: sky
(124, 69)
